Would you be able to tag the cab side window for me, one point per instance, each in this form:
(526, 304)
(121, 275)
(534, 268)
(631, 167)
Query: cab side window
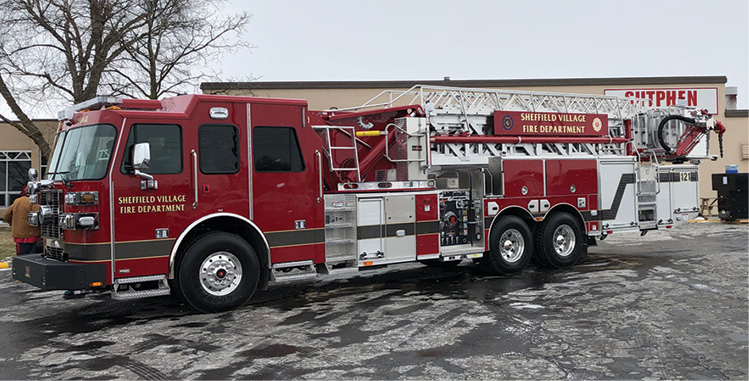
(165, 141)
(276, 149)
(218, 149)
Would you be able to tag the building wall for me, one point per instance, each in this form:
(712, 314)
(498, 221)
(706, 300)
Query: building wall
(13, 141)
(735, 138)
(327, 95)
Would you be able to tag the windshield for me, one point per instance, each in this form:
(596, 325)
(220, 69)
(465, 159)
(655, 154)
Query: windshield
(83, 153)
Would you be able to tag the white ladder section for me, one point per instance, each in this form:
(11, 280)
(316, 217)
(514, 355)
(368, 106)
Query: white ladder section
(472, 100)
(466, 111)
(331, 149)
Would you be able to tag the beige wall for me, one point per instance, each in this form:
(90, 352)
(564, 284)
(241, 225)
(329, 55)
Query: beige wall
(13, 140)
(737, 127)
(737, 133)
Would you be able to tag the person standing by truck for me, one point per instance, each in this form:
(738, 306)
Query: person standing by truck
(17, 215)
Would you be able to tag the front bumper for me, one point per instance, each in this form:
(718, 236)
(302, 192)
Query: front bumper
(50, 274)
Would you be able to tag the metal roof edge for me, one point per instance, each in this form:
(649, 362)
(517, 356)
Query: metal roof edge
(740, 113)
(616, 81)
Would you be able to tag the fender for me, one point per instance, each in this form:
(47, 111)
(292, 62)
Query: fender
(579, 215)
(494, 220)
(185, 232)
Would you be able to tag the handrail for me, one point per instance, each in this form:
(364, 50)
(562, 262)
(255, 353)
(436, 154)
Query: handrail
(387, 154)
(319, 170)
(657, 175)
(195, 176)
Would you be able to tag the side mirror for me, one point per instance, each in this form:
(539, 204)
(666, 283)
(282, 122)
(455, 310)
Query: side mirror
(141, 156)
(33, 174)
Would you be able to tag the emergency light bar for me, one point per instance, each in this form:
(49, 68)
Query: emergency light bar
(102, 102)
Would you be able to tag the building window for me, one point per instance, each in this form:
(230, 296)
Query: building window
(42, 165)
(165, 143)
(276, 149)
(14, 174)
(218, 149)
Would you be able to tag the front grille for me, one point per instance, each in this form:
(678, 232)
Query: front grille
(55, 253)
(51, 198)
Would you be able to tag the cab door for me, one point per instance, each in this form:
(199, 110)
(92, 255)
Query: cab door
(147, 219)
(217, 149)
(287, 200)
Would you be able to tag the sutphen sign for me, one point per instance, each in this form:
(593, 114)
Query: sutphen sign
(700, 97)
(550, 124)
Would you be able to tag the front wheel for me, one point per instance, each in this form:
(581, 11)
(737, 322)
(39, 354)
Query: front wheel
(559, 241)
(219, 272)
(510, 246)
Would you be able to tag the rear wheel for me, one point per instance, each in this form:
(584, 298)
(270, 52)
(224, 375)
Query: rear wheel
(510, 246)
(559, 241)
(219, 272)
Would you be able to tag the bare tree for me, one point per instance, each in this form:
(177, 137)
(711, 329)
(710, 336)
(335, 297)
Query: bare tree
(60, 51)
(178, 48)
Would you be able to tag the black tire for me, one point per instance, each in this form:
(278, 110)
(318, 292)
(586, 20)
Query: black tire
(440, 264)
(553, 246)
(514, 253)
(484, 265)
(207, 275)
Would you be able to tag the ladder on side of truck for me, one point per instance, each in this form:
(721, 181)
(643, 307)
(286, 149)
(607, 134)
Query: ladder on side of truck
(334, 164)
(474, 101)
(470, 112)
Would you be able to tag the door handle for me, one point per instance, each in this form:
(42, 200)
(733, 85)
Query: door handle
(195, 176)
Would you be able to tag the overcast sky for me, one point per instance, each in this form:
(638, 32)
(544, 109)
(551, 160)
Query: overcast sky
(328, 40)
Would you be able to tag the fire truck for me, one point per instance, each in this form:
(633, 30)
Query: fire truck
(212, 197)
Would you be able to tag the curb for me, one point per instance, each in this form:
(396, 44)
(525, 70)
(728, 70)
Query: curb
(4, 265)
(702, 221)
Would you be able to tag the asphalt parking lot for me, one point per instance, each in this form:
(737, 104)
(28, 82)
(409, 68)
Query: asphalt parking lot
(667, 306)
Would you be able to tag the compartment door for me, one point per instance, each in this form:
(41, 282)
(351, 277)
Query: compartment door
(618, 200)
(679, 195)
(400, 241)
(370, 226)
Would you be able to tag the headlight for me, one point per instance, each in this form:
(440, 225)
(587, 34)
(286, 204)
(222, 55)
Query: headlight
(79, 221)
(82, 198)
(45, 215)
(33, 219)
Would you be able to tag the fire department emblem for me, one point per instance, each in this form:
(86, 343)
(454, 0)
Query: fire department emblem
(597, 125)
(507, 122)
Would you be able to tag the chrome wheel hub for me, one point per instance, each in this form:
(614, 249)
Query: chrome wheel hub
(564, 240)
(512, 245)
(220, 273)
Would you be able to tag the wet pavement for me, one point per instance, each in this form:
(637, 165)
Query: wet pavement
(664, 306)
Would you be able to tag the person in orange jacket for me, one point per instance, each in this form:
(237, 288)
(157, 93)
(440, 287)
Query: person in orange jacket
(24, 235)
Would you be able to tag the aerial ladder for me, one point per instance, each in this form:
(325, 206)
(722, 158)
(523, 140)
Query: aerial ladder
(426, 131)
